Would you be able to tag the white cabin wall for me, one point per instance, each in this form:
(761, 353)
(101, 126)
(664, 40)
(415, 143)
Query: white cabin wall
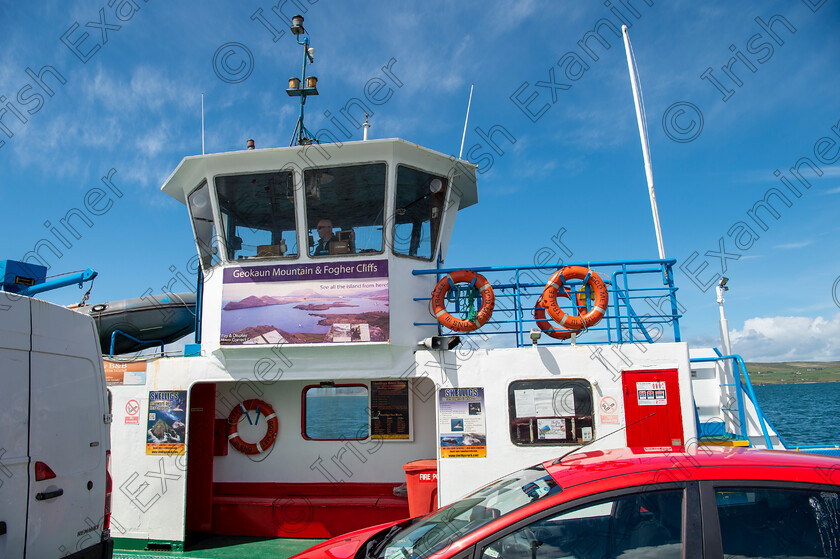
(149, 491)
(495, 369)
(294, 459)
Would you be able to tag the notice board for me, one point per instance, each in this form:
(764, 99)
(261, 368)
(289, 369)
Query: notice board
(390, 414)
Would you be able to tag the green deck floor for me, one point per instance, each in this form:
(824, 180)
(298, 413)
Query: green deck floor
(227, 547)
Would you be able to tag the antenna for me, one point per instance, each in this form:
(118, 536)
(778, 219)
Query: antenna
(304, 86)
(642, 121)
(202, 124)
(466, 120)
(602, 437)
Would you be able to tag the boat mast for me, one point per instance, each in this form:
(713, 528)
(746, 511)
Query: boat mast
(640, 117)
(304, 86)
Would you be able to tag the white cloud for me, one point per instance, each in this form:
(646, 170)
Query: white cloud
(788, 338)
(830, 172)
(146, 89)
(799, 244)
(835, 190)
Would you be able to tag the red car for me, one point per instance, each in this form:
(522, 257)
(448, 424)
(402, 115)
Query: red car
(624, 504)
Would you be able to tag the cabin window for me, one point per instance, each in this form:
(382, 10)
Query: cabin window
(258, 215)
(417, 212)
(345, 208)
(204, 227)
(550, 412)
(338, 412)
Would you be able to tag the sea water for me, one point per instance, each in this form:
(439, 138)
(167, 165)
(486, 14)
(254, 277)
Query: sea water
(803, 414)
(341, 417)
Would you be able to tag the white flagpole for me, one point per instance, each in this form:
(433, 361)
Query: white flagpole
(464, 136)
(202, 124)
(640, 117)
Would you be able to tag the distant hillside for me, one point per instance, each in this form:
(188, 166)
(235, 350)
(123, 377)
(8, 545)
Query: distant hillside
(794, 371)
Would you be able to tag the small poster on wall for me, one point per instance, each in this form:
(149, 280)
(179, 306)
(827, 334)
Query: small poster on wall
(167, 422)
(652, 393)
(390, 418)
(122, 372)
(461, 423)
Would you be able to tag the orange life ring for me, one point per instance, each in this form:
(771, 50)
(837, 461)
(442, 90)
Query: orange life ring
(488, 300)
(546, 327)
(272, 426)
(595, 283)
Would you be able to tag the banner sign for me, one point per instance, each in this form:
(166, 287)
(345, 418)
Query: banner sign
(333, 302)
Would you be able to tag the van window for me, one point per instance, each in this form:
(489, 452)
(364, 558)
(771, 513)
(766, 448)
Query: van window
(550, 412)
(339, 412)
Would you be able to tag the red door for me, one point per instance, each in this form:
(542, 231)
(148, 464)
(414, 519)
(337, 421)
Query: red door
(652, 409)
(202, 405)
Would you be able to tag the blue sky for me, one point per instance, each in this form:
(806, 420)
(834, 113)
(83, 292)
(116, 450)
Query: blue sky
(130, 102)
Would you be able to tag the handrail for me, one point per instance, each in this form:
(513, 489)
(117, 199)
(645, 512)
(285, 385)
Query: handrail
(424, 272)
(629, 283)
(132, 338)
(746, 385)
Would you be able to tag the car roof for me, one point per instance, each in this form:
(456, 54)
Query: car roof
(633, 466)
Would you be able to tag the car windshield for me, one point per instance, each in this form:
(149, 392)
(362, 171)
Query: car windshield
(433, 533)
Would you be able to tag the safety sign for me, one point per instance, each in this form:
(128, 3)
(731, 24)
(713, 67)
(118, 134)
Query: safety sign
(651, 393)
(132, 412)
(609, 410)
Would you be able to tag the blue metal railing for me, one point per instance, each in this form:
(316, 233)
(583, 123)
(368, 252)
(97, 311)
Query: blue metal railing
(132, 338)
(642, 302)
(743, 385)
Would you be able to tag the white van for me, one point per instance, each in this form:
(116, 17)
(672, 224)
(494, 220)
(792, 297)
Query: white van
(55, 488)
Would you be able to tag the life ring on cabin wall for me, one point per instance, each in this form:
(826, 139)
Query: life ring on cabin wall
(596, 284)
(488, 300)
(272, 427)
(546, 327)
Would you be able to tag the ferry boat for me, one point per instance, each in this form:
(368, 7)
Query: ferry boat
(342, 376)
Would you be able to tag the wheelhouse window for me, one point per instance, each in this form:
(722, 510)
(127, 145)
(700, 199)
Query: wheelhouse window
(550, 412)
(338, 412)
(258, 215)
(344, 209)
(418, 211)
(203, 225)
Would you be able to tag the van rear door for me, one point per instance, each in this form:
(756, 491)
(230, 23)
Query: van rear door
(14, 413)
(68, 433)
